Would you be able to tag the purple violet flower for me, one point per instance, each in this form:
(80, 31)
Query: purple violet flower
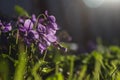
(51, 21)
(5, 27)
(26, 27)
(32, 34)
(40, 32)
(41, 29)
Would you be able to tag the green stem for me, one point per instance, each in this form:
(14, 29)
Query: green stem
(22, 61)
(37, 66)
(35, 69)
(17, 36)
(114, 72)
(44, 55)
(9, 49)
(71, 68)
(56, 68)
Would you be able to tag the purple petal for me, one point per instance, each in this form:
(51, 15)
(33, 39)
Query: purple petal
(41, 28)
(52, 18)
(51, 31)
(21, 20)
(33, 34)
(6, 30)
(7, 27)
(46, 13)
(53, 26)
(22, 29)
(28, 24)
(48, 43)
(42, 46)
(34, 18)
(51, 38)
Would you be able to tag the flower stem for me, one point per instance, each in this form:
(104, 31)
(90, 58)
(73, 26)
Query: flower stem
(56, 68)
(37, 66)
(44, 55)
(71, 68)
(22, 61)
(9, 49)
(35, 69)
(17, 36)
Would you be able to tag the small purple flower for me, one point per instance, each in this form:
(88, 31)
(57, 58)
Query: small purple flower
(41, 29)
(5, 27)
(26, 27)
(51, 21)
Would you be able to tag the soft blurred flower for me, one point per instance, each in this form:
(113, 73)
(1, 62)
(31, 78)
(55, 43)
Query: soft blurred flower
(6, 27)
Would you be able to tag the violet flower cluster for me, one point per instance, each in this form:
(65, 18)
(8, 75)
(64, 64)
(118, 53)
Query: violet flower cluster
(39, 31)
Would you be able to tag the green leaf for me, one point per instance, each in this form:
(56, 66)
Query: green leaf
(82, 72)
(20, 11)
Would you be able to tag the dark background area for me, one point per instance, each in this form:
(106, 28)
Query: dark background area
(83, 23)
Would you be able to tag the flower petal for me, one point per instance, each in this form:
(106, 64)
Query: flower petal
(28, 24)
(51, 38)
(52, 18)
(32, 34)
(41, 28)
(34, 18)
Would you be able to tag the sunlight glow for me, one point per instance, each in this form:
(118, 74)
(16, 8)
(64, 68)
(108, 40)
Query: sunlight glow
(98, 3)
(93, 3)
(112, 1)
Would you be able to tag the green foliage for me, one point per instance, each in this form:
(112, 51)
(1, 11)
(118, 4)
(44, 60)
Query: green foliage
(20, 11)
(101, 64)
